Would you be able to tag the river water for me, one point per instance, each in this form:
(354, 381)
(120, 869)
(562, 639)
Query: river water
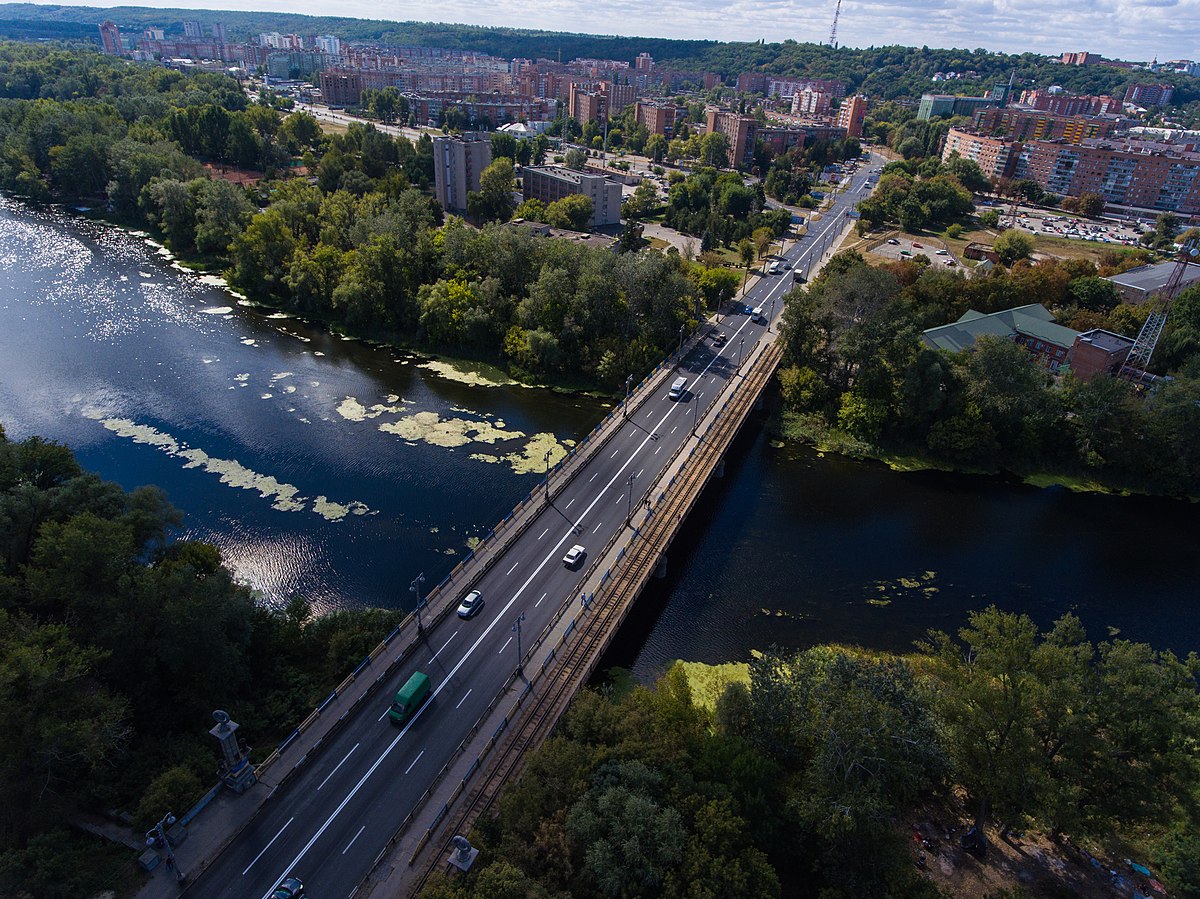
(339, 471)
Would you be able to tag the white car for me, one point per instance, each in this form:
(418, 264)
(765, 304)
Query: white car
(470, 605)
(942, 253)
(574, 556)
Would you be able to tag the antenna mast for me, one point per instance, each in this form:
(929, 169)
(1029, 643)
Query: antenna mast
(833, 31)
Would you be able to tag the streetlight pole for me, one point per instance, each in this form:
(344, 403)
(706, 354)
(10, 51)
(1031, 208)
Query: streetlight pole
(520, 657)
(628, 390)
(771, 317)
(741, 353)
(681, 329)
(548, 474)
(695, 416)
(157, 836)
(629, 501)
(415, 589)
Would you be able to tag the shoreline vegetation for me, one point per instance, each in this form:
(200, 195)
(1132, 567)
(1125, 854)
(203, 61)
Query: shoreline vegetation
(806, 773)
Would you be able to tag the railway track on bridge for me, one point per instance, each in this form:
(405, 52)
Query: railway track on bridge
(532, 722)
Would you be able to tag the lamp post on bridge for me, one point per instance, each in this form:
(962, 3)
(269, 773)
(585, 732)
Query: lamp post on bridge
(520, 658)
(741, 351)
(547, 474)
(628, 390)
(696, 416)
(681, 330)
(157, 837)
(415, 589)
(629, 501)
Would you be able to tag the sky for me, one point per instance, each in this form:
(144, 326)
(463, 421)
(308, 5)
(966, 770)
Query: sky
(1123, 29)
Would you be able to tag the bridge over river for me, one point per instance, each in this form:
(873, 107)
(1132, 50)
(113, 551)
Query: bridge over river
(351, 804)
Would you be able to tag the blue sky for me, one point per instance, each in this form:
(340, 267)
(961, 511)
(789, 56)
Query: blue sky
(1127, 29)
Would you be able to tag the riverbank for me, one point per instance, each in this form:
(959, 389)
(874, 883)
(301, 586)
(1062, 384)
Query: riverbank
(812, 430)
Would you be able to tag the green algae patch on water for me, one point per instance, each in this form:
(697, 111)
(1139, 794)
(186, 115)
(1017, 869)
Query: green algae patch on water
(708, 682)
(284, 497)
(473, 374)
(429, 427)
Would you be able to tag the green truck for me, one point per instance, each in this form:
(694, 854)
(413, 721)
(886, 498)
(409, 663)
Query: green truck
(409, 697)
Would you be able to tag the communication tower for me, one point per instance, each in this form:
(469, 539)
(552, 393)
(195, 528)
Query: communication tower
(1135, 364)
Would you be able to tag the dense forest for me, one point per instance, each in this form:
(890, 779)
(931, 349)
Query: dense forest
(116, 643)
(805, 780)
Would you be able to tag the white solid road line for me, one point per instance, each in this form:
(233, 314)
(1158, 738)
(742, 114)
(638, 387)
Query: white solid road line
(444, 645)
(464, 699)
(543, 533)
(356, 836)
(335, 767)
(514, 568)
(478, 640)
(414, 761)
(268, 846)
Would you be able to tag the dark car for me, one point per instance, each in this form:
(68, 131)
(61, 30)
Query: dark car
(719, 338)
(291, 888)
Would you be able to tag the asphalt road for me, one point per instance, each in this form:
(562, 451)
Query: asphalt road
(330, 821)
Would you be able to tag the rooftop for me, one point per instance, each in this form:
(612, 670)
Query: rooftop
(1149, 278)
(1033, 320)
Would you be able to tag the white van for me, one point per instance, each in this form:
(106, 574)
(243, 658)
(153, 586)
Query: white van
(678, 388)
(772, 268)
(758, 315)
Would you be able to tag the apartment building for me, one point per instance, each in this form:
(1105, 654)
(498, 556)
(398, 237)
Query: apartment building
(1060, 103)
(549, 183)
(739, 129)
(659, 118)
(1138, 174)
(457, 165)
(851, 115)
(1149, 94)
(110, 38)
(1023, 124)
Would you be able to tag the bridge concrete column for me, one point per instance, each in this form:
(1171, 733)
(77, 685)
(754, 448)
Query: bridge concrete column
(660, 570)
(719, 471)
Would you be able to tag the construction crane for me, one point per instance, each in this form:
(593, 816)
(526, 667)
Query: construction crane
(833, 31)
(1135, 364)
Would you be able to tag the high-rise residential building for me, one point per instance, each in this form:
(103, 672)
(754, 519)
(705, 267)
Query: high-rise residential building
(153, 34)
(621, 94)
(193, 29)
(659, 118)
(851, 115)
(1131, 173)
(1058, 102)
(1149, 94)
(457, 164)
(1017, 123)
(220, 33)
(549, 183)
(644, 63)
(740, 132)
(328, 43)
(807, 101)
(110, 38)
(587, 105)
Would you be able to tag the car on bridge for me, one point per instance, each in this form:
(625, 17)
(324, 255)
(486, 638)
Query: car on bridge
(291, 888)
(470, 605)
(719, 338)
(574, 556)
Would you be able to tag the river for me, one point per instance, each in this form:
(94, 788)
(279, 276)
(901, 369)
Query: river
(339, 471)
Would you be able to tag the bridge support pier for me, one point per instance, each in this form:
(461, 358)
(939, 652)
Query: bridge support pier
(660, 569)
(719, 471)
(759, 403)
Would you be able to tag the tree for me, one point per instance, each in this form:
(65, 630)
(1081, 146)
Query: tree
(576, 159)
(714, 150)
(572, 213)
(1012, 246)
(763, 238)
(656, 147)
(1051, 727)
(493, 202)
(989, 218)
(532, 210)
(1090, 205)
